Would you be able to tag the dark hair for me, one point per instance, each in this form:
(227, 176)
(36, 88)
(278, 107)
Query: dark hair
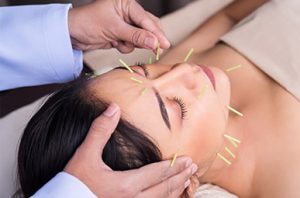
(59, 127)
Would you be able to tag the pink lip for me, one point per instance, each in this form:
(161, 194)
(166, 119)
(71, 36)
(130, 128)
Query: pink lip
(209, 74)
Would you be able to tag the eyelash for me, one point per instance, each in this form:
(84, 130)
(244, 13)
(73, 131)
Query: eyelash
(141, 64)
(182, 107)
(178, 100)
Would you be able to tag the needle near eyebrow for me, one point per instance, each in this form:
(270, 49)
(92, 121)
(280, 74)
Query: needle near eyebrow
(136, 80)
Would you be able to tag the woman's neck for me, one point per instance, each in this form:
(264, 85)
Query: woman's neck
(236, 172)
(241, 177)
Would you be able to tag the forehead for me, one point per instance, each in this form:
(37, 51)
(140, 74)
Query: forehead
(141, 110)
(116, 86)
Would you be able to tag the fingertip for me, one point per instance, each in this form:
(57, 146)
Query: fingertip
(164, 43)
(194, 168)
(112, 110)
(150, 42)
(185, 160)
(127, 44)
(115, 43)
(187, 183)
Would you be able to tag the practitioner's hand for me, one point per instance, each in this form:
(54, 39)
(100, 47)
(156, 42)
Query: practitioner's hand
(154, 180)
(122, 24)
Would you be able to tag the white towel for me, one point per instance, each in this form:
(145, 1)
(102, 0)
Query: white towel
(212, 191)
(270, 38)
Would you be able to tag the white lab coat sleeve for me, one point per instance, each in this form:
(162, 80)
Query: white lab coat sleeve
(64, 185)
(35, 46)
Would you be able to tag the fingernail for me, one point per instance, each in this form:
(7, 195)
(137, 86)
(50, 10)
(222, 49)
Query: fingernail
(114, 43)
(149, 43)
(188, 162)
(167, 42)
(187, 183)
(111, 110)
(194, 168)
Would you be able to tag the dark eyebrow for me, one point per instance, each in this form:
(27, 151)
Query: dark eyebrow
(162, 106)
(163, 109)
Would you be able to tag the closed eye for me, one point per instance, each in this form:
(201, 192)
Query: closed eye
(142, 65)
(182, 106)
(161, 104)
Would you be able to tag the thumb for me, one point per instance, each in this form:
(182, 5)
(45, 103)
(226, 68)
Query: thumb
(138, 37)
(101, 130)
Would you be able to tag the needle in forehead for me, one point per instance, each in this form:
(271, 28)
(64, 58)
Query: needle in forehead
(125, 65)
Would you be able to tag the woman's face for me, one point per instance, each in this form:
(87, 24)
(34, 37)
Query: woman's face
(182, 110)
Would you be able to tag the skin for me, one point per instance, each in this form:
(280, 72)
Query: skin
(124, 25)
(269, 130)
(200, 135)
(164, 182)
(180, 80)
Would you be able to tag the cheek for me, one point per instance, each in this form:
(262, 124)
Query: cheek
(203, 133)
(222, 89)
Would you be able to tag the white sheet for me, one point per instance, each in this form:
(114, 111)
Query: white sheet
(269, 37)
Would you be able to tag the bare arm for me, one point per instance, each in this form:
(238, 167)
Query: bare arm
(208, 33)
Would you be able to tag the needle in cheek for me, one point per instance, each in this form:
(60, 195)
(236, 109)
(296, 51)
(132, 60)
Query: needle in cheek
(202, 91)
(144, 91)
(235, 111)
(233, 68)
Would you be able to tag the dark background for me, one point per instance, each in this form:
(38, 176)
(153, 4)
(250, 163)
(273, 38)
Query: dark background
(157, 7)
(13, 99)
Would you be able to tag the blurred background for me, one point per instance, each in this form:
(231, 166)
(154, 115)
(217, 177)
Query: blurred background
(157, 7)
(14, 99)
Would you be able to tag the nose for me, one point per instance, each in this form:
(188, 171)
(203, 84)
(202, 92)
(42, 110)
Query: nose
(180, 75)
